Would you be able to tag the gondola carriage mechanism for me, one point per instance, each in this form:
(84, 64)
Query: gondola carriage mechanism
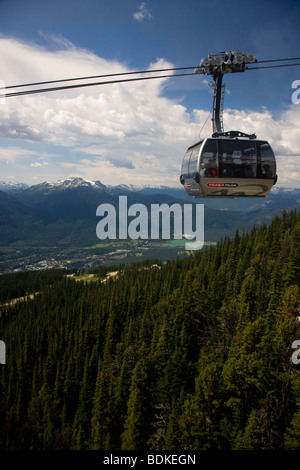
(228, 164)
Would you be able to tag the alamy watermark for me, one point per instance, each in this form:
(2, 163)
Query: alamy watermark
(296, 94)
(135, 222)
(2, 352)
(296, 354)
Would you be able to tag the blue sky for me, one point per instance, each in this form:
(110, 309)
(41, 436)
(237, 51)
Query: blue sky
(137, 133)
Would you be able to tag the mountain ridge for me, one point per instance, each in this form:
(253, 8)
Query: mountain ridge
(77, 199)
(61, 217)
(277, 193)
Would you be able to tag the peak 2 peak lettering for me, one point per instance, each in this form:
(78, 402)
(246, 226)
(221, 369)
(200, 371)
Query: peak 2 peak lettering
(138, 227)
(222, 185)
(296, 94)
(2, 352)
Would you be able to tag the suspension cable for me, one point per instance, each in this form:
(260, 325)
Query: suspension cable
(81, 85)
(276, 60)
(97, 76)
(270, 66)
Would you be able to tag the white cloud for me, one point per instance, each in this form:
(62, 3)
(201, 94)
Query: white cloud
(38, 164)
(123, 133)
(122, 122)
(142, 14)
(281, 131)
(12, 154)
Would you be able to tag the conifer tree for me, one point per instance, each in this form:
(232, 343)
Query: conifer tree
(137, 425)
(292, 435)
(100, 414)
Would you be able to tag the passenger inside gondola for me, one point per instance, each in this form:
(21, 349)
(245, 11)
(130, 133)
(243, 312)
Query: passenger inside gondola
(267, 172)
(227, 172)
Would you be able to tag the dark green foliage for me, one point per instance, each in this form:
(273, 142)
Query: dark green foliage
(19, 284)
(195, 354)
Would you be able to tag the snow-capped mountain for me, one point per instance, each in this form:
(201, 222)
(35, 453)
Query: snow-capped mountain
(80, 183)
(76, 182)
(125, 187)
(69, 183)
(279, 198)
(144, 187)
(9, 185)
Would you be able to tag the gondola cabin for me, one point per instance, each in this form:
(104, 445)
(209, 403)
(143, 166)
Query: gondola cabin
(219, 167)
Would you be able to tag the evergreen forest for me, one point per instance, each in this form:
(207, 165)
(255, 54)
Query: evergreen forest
(195, 354)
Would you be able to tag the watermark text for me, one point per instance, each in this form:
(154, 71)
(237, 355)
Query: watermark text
(296, 93)
(296, 354)
(2, 352)
(135, 222)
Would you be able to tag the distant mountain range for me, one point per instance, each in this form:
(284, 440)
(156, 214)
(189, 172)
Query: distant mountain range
(9, 185)
(63, 214)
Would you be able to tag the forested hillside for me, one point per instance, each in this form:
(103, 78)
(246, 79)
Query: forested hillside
(195, 354)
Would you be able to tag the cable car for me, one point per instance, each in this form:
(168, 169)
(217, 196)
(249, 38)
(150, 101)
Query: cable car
(229, 164)
(229, 167)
